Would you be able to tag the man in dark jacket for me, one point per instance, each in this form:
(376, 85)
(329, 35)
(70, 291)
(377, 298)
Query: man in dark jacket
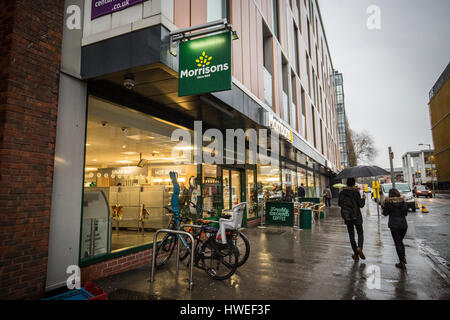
(396, 208)
(351, 203)
(301, 191)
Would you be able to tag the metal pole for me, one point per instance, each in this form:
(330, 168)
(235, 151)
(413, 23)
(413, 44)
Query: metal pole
(154, 257)
(432, 171)
(261, 225)
(391, 161)
(378, 196)
(175, 232)
(178, 252)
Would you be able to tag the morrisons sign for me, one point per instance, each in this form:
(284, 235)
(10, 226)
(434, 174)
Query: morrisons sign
(205, 65)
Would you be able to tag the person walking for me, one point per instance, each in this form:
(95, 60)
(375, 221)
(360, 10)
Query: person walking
(395, 207)
(351, 203)
(327, 195)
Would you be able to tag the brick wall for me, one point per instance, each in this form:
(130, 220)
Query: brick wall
(117, 265)
(30, 46)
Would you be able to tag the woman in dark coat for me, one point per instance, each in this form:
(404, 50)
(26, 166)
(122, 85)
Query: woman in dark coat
(395, 207)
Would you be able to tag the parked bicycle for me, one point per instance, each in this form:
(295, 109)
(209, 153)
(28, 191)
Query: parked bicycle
(215, 251)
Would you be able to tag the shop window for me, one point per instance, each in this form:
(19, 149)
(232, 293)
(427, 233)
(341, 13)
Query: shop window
(269, 185)
(252, 195)
(126, 184)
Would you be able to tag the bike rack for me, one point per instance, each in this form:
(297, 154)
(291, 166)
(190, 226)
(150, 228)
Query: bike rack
(168, 231)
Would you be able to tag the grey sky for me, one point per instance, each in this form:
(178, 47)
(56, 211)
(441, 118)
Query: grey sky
(389, 72)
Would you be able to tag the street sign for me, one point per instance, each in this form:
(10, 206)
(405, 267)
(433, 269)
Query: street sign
(205, 65)
(280, 213)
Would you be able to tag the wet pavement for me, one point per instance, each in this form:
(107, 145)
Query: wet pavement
(315, 264)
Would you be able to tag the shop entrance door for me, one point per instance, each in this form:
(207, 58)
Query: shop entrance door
(234, 191)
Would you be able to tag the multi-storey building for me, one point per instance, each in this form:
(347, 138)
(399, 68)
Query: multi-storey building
(419, 168)
(440, 126)
(342, 119)
(89, 107)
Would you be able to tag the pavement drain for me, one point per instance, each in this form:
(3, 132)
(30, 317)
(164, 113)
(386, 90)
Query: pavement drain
(275, 232)
(283, 260)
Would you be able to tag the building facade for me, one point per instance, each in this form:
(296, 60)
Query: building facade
(439, 107)
(342, 119)
(89, 112)
(419, 168)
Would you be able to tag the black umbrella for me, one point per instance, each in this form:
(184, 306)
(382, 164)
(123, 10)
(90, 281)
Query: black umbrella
(361, 171)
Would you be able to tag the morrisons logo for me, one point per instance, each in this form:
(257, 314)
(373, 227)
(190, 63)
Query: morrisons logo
(204, 68)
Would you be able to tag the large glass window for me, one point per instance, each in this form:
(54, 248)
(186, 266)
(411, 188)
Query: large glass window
(216, 10)
(252, 194)
(127, 183)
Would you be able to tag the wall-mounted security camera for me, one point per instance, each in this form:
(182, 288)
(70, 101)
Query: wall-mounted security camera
(104, 123)
(128, 81)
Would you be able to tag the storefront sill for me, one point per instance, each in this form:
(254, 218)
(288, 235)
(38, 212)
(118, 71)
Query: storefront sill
(114, 255)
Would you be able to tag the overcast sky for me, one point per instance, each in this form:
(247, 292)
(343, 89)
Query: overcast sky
(388, 73)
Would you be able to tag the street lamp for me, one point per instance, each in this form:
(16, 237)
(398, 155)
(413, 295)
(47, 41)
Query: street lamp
(431, 161)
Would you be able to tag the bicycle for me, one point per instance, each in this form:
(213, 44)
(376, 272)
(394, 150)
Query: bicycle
(218, 260)
(240, 240)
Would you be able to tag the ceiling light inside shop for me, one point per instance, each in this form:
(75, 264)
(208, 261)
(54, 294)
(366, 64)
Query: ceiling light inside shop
(90, 169)
(140, 137)
(124, 161)
(129, 153)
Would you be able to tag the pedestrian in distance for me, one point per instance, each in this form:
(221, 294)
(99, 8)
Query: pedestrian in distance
(327, 195)
(301, 193)
(395, 207)
(351, 203)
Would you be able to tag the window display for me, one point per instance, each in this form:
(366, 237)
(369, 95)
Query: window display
(128, 160)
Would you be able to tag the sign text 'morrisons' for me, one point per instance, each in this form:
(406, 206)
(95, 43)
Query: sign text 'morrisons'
(205, 71)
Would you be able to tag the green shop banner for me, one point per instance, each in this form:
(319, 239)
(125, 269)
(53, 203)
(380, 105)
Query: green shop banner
(205, 65)
(280, 213)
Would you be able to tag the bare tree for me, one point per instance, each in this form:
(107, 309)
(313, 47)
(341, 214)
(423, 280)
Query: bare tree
(364, 146)
(352, 160)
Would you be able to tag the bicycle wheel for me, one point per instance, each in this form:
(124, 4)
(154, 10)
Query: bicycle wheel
(219, 261)
(164, 250)
(243, 246)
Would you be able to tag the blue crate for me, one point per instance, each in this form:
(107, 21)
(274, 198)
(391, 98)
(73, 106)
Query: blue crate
(78, 294)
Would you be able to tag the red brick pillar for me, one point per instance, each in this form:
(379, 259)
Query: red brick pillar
(30, 55)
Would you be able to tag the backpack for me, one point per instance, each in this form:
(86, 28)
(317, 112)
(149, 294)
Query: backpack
(348, 207)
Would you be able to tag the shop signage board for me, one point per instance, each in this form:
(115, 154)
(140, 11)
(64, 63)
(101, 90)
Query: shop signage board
(279, 127)
(280, 213)
(205, 65)
(104, 7)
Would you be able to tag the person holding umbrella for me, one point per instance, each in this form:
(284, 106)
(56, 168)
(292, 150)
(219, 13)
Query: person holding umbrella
(351, 203)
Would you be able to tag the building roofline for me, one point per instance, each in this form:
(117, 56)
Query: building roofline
(440, 82)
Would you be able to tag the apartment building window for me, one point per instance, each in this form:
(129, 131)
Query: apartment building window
(299, 14)
(294, 102)
(303, 122)
(285, 96)
(309, 35)
(308, 73)
(268, 66)
(297, 61)
(313, 116)
(217, 9)
(276, 18)
(321, 138)
(314, 87)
